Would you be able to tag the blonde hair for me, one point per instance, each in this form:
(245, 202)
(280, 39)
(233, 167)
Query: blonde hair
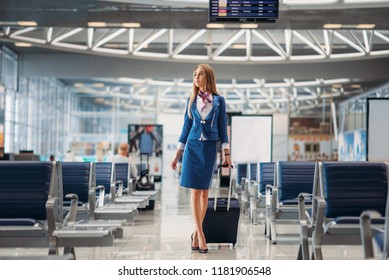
(210, 84)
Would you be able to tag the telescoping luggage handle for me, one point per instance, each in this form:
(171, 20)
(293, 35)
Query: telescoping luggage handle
(217, 184)
(144, 157)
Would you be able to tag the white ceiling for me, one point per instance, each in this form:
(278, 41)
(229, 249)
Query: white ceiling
(293, 66)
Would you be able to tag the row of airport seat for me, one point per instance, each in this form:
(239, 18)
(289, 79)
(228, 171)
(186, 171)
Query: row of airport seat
(53, 205)
(334, 203)
(108, 182)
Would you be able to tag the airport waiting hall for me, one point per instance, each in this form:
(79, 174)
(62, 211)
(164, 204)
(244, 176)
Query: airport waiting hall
(306, 90)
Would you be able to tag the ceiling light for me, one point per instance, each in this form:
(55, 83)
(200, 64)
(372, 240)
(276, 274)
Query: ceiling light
(78, 85)
(131, 80)
(336, 86)
(131, 24)
(215, 25)
(143, 47)
(238, 46)
(249, 25)
(355, 86)
(335, 81)
(98, 85)
(97, 24)
(23, 44)
(332, 25)
(27, 23)
(365, 26)
(114, 45)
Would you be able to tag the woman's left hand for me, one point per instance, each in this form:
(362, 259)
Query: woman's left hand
(227, 160)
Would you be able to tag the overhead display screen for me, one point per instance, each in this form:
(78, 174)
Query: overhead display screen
(243, 11)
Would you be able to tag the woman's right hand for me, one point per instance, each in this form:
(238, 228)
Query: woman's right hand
(173, 164)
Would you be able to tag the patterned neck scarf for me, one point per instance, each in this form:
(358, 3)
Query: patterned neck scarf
(206, 99)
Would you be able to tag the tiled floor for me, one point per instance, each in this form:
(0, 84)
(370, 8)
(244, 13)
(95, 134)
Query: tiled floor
(165, 234)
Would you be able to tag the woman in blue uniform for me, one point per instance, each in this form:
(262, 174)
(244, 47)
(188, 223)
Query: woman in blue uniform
(205, 123)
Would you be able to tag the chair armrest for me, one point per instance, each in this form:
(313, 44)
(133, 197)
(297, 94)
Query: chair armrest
(71, 219)
(246, 189)
(120, 189)
(52, 214)
(112, 192)
(366, 232)
(301, 208)
(268, 211)
(92, 203)
(101, 189)
(269, 189)
(319, 224)
(253, 190)
(305, 227)
(274, 200)
(131, 185)
(271, 196)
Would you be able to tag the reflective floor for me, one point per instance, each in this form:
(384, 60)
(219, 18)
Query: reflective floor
(164, 234)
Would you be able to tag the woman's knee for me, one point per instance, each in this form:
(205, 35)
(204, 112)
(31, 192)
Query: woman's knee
(204, 194)
(196, 193)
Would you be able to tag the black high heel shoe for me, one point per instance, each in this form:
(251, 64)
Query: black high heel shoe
(203, 251)
(194, 248)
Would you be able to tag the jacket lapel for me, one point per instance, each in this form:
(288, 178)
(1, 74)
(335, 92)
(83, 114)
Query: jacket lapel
(215, 105)
(195, 112)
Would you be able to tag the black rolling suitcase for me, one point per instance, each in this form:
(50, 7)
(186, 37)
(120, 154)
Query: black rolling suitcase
(144, 183)
(221, 220)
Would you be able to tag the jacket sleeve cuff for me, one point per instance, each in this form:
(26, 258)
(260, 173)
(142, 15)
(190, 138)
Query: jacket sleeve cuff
(181, 146)
(225, 146)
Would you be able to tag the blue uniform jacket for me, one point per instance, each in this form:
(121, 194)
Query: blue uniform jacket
(214, 127)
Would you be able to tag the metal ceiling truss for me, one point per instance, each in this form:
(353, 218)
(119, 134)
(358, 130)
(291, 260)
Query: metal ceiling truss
(217, 45)
(288, 96)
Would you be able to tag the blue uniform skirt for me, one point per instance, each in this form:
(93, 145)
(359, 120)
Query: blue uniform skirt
(198, 163)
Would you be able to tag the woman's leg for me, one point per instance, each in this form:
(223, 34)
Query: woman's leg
(203, 210)
(199, 204)
(204, 203)
(197, 215)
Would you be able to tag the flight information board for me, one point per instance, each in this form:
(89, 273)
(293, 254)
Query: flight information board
(242, 10)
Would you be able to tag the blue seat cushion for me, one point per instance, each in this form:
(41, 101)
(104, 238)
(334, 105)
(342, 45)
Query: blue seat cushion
(307, 201)
(18, 222)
